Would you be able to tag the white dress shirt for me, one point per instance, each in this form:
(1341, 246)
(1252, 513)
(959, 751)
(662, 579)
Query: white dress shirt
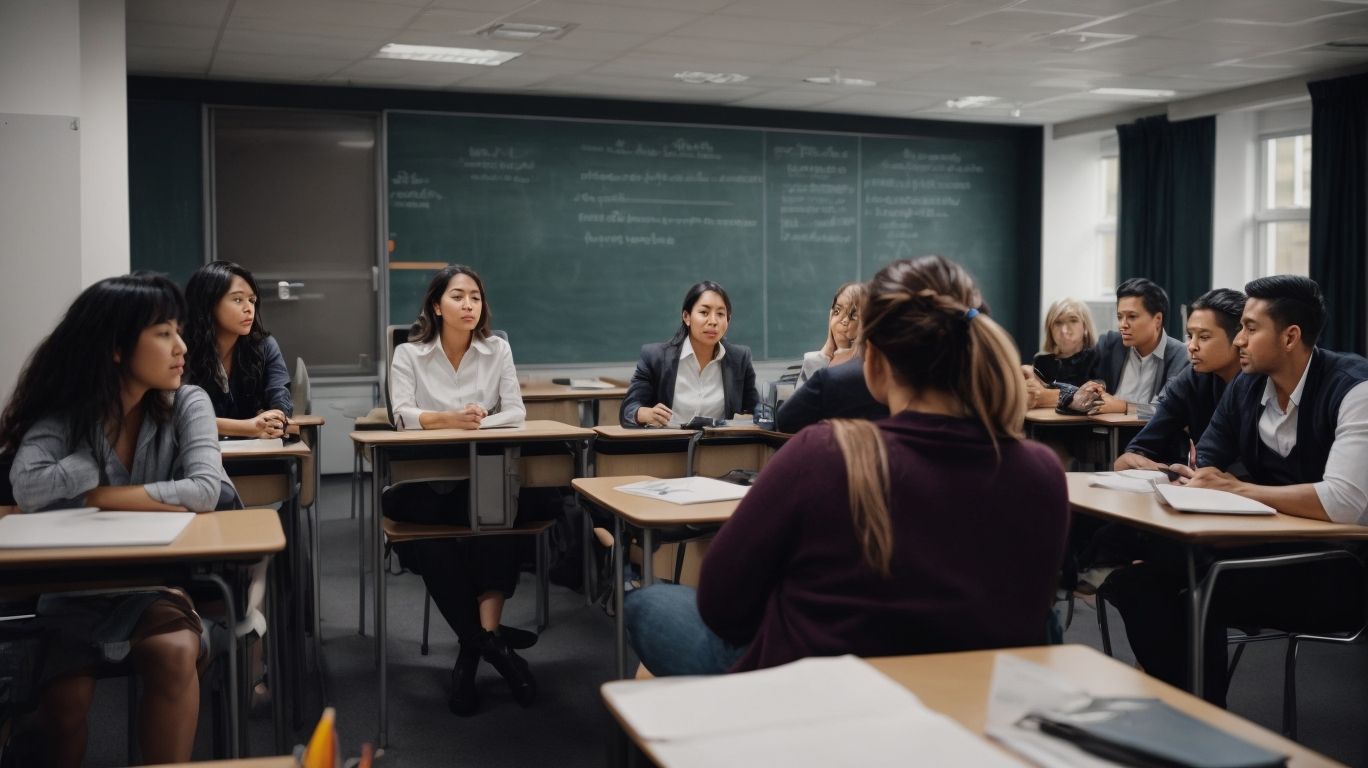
(1139, 373)
(1343, 491)
(422, 379)
(698, 392)
(812, 363)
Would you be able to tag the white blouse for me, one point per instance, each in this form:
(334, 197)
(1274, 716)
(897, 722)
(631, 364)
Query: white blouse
(422, 379)
(698, 392)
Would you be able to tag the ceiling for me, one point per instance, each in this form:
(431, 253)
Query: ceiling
(1040, 57)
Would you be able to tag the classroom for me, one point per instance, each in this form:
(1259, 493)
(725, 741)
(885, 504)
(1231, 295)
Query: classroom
(1148, 256)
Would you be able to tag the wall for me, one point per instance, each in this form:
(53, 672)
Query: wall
(1071, 210)
(1232, 227)
(104, 141)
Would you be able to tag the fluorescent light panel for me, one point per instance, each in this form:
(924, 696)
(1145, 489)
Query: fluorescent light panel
(441, 55)
(1138, 93)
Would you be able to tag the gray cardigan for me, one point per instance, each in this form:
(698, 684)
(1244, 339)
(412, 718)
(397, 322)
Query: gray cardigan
(178, 463)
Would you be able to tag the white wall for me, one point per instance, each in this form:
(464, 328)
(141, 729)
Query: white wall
(1070, 211)
(59, 60)
(1232, 227)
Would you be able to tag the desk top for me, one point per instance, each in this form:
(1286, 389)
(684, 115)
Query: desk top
(650, 513)
(247, 762)
(245, 449)
(307, 420)
(1051, 416)
(619, 432)
(237, 534)
(957, 685)
(534, 429)
(535, 391)
(1145, 510)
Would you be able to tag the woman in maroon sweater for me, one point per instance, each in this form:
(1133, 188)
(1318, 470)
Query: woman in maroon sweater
(937, 529)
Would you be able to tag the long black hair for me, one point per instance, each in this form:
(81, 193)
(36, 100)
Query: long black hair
(73, 371)
(691, 298)
(206, 288)
(429, 326)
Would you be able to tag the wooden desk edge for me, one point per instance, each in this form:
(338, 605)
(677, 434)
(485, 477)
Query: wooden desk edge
(259, 521)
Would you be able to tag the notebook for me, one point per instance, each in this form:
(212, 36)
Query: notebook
(1209, 500)
(686, 490)
(90, 527)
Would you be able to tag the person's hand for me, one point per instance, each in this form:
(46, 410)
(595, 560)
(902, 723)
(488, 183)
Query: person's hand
(842, 355)
(1034, 387)
(269, 424)
(656, 416)
(1135, 461)
(1109, 404)
(1208, 477)
(477, 409)
(468, 417)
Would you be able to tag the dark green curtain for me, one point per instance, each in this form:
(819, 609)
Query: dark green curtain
(1164, 221)
(1339, 205)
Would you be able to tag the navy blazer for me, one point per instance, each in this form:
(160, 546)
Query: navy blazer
(834, 392)
(1181, 414)
(654, 380)
(1111, 360)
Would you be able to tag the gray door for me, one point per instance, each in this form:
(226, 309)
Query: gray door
(294, 201)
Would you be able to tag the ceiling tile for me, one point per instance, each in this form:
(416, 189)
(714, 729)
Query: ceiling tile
(788, 99)
(198, 13)
(278, 44)
(607, 18)
(867, 11)
(745, 30)
(703, 48)
(155, 60)
(144, 33)
(256, 65)
(302, 13)
(395, 72)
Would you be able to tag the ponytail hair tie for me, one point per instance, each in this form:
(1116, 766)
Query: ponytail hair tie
(971, 313)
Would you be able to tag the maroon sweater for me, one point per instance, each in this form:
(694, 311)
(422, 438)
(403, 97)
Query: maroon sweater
(977, 545)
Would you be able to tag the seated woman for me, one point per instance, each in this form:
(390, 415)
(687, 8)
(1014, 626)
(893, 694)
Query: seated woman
(100, 418)
(1070, 344)
(232, 356)
(455, 374)
(941, 529)
(843, 327)
(696, 373)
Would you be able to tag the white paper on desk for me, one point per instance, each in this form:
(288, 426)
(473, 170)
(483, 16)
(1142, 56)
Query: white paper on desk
(1117, 481)
(1020, 687)
(251, 444)
(90, 527)
(1210, 500)
(686, 490)
(589, 384)
(817, 712)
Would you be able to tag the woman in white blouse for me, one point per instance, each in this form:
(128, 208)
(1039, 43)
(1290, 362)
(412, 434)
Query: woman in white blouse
(455, 374)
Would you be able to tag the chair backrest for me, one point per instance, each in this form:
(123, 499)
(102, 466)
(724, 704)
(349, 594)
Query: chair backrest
(394, 336)
(301, 391)
(6, 489)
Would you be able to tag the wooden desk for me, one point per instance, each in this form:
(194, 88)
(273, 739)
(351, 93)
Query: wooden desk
(251, 762)
(1045, 418)
(381, 444)
(958, 685)
(241, 535)
(560, 402)
(647, 515)
(310, 428)
(1197, 533)
(666, 452)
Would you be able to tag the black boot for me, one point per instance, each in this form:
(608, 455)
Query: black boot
(511, 667)
(464, 700)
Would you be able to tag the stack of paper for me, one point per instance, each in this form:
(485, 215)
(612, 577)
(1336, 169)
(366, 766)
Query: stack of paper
(686, 490)
(1134, 480)
(814, 712)
(589, 384)
(1185, 499)
(90, 527)
(251, 444)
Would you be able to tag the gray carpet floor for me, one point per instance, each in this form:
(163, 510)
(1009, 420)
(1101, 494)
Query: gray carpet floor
(568, 725)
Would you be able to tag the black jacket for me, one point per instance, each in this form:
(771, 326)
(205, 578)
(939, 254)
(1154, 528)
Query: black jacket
(654, 380)
(837, 392)
(1182, 413)
(1111, 360)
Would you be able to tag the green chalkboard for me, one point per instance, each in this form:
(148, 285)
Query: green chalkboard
(588, 233)
(165, 187)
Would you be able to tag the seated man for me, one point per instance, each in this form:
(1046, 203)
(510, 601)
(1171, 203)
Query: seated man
(836, 392)
(1134, 364)
(1298, 422)
(1186, 404)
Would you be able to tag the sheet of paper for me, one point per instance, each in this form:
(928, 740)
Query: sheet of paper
(1119, 482)
(589, 384)
(251, 444)
(1144, 474)
(686, 490)
(89, 527)
(1020, 687)
(814, 712)
(1210, 500)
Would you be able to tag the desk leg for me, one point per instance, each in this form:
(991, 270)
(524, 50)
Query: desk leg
(317, 518)
(647, 557)
(619, 627)
(359, 494)
(1196, 623)
(379, 470)
(299, 594)
(275, 608)
(586, 552)
(230, 609)
(1115, 445)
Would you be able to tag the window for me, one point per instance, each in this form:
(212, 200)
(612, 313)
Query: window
(1284, 215)
(1109, 191)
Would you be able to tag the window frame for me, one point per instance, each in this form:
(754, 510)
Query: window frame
(1264, 215)
(1106, 227)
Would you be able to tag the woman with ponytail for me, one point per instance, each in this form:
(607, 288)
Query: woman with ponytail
(943, 530)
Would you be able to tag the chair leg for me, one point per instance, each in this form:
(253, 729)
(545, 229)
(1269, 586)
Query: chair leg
(1235, 660)
(681, 549)
(543, 581)
(427, 619)
(359, 495)
(1102, 624)
(132, 718)
(1289, 727)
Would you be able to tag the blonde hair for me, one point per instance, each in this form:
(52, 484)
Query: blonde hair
(927, 318)
(1058, 310)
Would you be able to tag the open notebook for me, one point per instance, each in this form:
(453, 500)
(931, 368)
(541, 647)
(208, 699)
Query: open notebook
(1185, 499)
(90, 527)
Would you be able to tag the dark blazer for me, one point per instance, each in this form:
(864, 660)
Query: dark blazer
(1182, 413)
(654, 380)
(251, 392)
(1111, 359)
(836, 392)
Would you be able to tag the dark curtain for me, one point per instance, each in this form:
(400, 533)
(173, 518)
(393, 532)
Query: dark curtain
(1339, 205)
(1164, 221)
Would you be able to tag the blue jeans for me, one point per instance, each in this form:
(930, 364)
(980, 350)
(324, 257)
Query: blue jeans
(670, 638)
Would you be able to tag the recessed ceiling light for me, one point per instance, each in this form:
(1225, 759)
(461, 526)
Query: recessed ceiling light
(1138, 93)
(970, 102)
(525, 31)
(442, 55)
(835, 78)
(711, 78)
